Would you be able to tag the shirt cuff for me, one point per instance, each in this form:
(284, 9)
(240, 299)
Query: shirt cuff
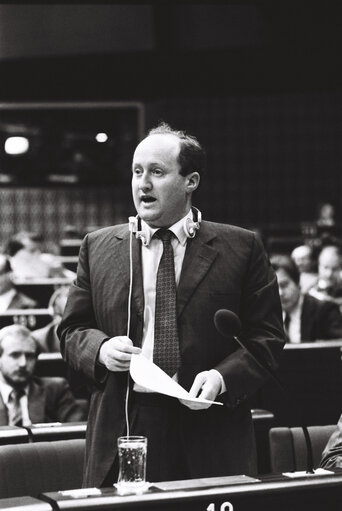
(223, 385)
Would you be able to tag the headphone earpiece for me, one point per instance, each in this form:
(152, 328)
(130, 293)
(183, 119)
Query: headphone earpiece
(190, 226)
(133, 223)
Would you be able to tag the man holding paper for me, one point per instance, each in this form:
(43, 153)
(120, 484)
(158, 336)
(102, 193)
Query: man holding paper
(154, 295)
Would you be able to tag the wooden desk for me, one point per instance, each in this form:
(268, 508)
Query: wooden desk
(31, 318)
(70, 247)
(219, 494)
(48, 432)
(51, 364)
(311, 374)
(24, 504)
(45, 432)
(13, 435)
(263, 421)
(69, 262)
(41, 289)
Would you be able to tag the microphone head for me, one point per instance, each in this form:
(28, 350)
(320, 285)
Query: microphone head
(227, 323)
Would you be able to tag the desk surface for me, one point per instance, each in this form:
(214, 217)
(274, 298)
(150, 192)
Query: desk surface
(24, 504)
(267, 493)
(333, 343)
(48, 281)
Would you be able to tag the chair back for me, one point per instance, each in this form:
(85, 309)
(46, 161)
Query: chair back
(288, 447)
(30, 469)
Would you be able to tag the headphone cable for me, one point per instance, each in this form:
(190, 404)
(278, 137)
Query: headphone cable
(129, 321)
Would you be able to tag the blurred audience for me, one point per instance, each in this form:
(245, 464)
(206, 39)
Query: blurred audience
(326, 215)
(332, 453)
(72, 232)
(305, 317)
(10, 298)
(46, 336)
(303, 258)
(29, 262)
(329, 283)
(24, 398)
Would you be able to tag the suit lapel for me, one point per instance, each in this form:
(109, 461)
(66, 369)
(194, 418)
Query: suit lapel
(124, 265)
(199, 257)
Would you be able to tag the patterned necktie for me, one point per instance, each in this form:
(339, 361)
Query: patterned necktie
(166, 346)
(15, 417)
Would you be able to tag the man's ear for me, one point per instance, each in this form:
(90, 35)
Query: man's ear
(193, 181)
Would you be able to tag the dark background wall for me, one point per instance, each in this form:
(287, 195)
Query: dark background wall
(259, 84)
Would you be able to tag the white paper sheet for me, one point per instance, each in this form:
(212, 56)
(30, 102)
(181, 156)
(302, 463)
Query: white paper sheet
(147, 374)
(303, 473)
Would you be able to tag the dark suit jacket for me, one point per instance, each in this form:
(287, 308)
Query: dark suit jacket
(223, 267)
(320, 320)
(49, 400)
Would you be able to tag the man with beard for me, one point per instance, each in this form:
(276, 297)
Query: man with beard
(24, 398)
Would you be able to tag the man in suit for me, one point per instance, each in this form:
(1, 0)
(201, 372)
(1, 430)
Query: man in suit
(10, 298)
(332, 453)
(329, 282)
(304, 260)
(29, 262)
(215, 266)
(305, 318)
(47, 336)
(25, 399)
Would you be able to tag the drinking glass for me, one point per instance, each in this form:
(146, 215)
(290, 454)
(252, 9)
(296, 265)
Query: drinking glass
(132, 452)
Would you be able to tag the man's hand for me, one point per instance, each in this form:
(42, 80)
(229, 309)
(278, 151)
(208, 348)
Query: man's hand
(115, 354)
(207, 385)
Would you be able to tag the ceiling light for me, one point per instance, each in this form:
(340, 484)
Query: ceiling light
(16, 145)
(101, 137)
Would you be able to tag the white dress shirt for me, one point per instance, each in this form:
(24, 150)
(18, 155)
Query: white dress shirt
(151, 254)
(5, 391)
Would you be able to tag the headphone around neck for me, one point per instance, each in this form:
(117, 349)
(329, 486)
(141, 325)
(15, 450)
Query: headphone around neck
(190, 226)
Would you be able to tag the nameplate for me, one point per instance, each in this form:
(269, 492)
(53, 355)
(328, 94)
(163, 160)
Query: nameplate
(80, 492)
(188, 484)
(304, 473)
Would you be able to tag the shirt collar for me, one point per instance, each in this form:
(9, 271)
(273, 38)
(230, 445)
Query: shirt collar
(6, 389)
(178, 229)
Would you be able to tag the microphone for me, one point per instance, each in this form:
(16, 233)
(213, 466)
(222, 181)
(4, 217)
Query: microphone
(228, 324)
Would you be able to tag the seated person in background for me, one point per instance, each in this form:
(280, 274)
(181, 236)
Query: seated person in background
(332, 454)
(305, 317)
(329, 283)
(25, 399)
(29, 262)
(46, 336)
(303, 258)
(326, 215)
(10, 298)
